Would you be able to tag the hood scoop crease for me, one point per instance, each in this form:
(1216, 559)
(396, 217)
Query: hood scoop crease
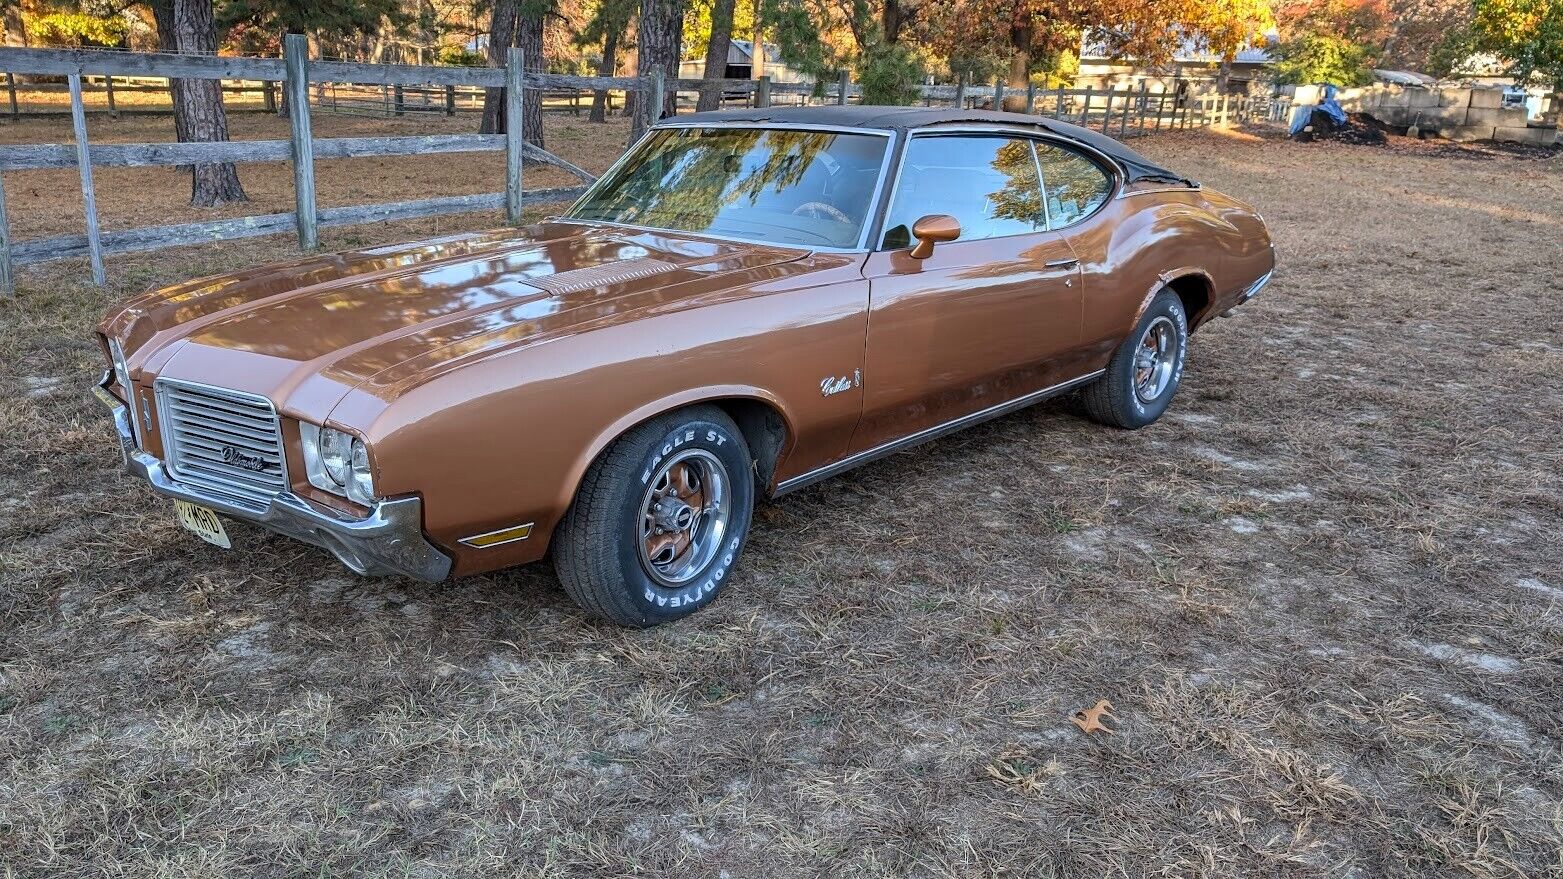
(592, 277)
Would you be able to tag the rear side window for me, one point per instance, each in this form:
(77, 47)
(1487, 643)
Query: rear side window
(988, 183)
(1075, 185)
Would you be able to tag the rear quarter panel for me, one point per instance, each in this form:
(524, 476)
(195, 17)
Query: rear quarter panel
(503, 438)
(1141, 240)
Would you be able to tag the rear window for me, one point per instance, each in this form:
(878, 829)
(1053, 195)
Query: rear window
(1074, 185)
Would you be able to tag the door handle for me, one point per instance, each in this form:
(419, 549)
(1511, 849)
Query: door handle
(1062, 263)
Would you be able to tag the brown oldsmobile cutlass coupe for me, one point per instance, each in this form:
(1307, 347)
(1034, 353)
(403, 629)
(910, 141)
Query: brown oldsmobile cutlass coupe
(747, 302)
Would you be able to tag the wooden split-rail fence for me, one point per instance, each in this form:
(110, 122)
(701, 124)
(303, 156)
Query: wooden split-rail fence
(1113, 111)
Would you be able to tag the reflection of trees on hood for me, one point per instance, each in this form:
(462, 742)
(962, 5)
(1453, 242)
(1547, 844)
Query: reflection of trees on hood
(688, 177)
(1021, 197)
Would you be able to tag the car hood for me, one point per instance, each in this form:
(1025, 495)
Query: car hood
(310, 331)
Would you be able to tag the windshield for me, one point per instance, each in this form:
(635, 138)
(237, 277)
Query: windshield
(809, 188)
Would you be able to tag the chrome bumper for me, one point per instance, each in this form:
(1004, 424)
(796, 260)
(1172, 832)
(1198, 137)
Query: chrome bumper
(388, 541)
(1248, 293)
(1255, 287)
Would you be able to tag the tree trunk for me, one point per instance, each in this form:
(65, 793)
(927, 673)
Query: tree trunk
(890, 21)
(529, 36)
(1223, 76)
(757, 61)
(716, 55)
(202, 106)
(501, 36)
(661, 27)
(608, 67)
(15, 28)
(168, 41)
(1019, 69)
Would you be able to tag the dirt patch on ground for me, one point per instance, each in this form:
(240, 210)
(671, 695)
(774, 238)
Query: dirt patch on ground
(1322, 596)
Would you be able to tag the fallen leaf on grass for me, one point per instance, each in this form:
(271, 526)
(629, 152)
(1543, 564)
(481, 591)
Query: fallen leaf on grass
(1090, 719)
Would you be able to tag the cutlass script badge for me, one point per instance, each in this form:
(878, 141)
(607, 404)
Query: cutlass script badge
(237, 458)
(834, 385)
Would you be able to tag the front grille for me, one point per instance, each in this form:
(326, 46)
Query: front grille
(222, 441)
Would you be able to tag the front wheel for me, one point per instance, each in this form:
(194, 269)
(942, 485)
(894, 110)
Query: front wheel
(1145, 371)
(659, 519)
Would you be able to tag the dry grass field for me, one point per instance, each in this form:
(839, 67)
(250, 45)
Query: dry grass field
(1323, 595)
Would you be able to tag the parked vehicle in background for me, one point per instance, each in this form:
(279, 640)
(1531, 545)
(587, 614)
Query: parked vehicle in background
(749, 301)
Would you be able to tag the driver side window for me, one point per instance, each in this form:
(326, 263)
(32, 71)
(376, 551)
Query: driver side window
(987, 182)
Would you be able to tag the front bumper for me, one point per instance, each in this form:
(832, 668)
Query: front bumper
(388, 541)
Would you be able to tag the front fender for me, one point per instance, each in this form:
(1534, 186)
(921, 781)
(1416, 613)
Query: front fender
(503, 442)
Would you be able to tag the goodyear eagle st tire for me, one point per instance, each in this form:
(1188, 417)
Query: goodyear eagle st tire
(1145, 370)
(659, 519)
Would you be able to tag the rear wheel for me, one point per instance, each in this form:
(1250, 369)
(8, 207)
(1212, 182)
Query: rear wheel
(1146, 369)
(659, 519)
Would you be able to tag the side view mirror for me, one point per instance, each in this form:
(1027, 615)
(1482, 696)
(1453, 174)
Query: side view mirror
(933, 228)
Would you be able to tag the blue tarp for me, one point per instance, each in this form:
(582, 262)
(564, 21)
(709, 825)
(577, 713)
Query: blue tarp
(1327, 103)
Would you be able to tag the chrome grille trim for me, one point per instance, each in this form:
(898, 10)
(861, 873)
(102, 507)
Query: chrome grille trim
(200, 421)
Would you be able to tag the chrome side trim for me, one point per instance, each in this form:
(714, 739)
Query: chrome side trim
(387, 541)
(1130, 193)
(930, 433)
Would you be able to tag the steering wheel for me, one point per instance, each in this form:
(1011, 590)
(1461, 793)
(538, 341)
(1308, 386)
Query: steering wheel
(822, 210)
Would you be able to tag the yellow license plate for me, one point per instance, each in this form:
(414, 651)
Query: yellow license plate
(203, 522)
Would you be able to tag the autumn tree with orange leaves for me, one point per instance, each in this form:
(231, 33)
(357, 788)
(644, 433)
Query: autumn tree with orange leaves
(1147, 30)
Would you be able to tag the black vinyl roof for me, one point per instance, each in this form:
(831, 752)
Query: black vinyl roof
(1135, 166)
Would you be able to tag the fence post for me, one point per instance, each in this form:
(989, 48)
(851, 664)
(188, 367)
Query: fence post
(7, 281)
(844, 84)
(998, 93)
(1144, 102)
(515, 137)
(108, 90)
(1161, 107)
(1058, 113)
(1085, 108)
(1107, 114)
(450, 100)
(1031, 95)
(762, 92)
(295, 55)
(960, 92)
(10, 86)
(1128, 107)
(89, 199)
(656, 98)
(268, 96)
(399, 97)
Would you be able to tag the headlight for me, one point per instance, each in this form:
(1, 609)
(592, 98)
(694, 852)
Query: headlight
(337, 462)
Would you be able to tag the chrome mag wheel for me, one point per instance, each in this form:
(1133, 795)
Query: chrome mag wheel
(683, 517)
(1155, 358)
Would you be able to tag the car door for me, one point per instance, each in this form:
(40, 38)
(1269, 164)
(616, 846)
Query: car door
(1077, 190)
(987, 318)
